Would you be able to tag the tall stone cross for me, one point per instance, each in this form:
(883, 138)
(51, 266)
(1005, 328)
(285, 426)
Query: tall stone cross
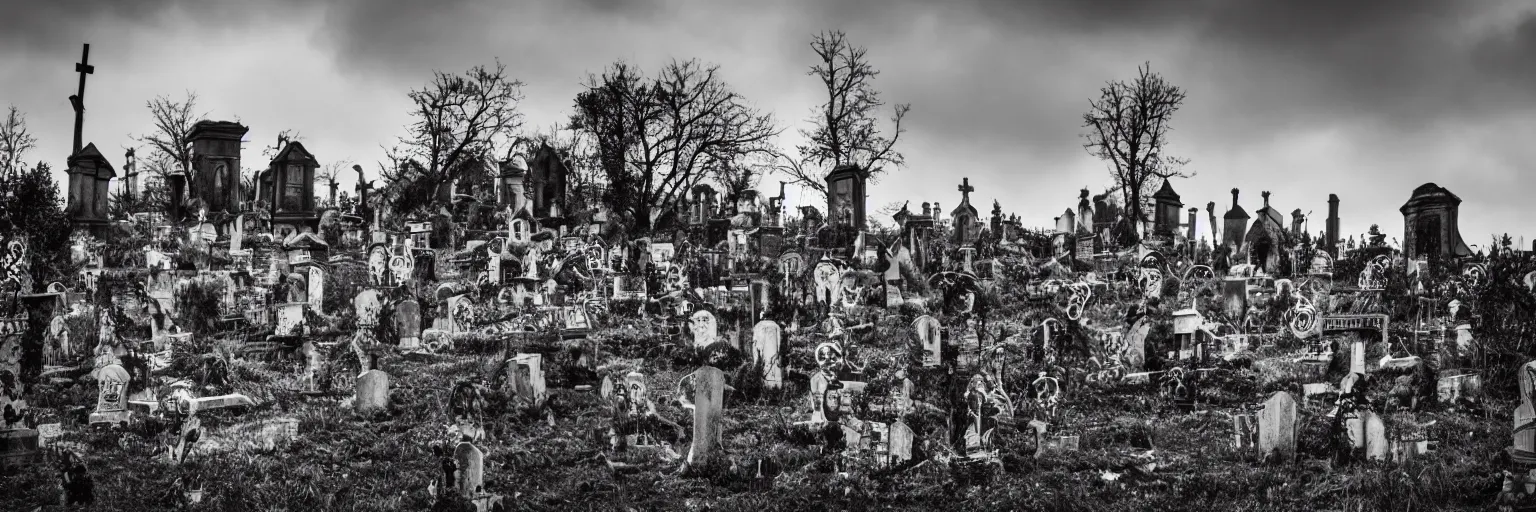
(966, 189)
(78, 100)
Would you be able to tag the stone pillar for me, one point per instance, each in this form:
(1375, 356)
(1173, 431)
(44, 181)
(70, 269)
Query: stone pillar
(1333, 226)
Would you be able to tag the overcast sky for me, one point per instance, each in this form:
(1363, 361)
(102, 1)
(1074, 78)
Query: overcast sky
(1365, 99)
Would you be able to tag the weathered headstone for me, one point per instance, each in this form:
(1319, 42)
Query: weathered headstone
(704, 329)
(526, 377)
(290, 319)
(372, 392)
(1135, 352)
(1376, 446)
(111, 395)
(929, 336)
(408, 322)
(1277, 426)
(766, 336)
(317, 289)
(1245, 431)
(901, 437)
(708, 400)
(470, 462)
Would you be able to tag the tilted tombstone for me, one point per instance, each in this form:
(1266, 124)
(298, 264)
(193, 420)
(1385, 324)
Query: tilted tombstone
(708, 400)
(408, 322)
(1277, 426)
(766, 336)
(929, 336)
(372, 392)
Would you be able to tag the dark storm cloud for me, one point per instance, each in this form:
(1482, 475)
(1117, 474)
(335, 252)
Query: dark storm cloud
(53, 27)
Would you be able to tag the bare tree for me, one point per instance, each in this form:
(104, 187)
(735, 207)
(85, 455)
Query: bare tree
(330, 174)
(845, 131)
(1128, 127)
(15, 142)
(171, 137)
(655, 138)
(283, 138)
(460, 120)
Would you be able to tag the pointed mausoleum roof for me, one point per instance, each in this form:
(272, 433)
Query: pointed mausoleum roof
(1237, 211)
(89, 152)
(1430, 194)
(1166, 192)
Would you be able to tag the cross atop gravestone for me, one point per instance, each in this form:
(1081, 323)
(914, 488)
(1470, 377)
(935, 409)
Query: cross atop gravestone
(78, 100)
(966, 189)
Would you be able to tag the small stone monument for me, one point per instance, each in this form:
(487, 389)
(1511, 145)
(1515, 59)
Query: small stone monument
(470, 461)
(929, 336)
(372, 392)
(526, 377)
(766, 337)
(1277, 426)
(408, 322)
(708, 400)
(111, 396)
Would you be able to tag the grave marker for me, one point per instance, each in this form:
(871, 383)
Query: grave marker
(929, 336)
(1277, 426)
(766, 336)
(372, 392)
(708, 399)
(470, 462)
(408, 322)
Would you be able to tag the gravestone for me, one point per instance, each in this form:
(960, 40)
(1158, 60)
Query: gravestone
(526, 377)
(1245, 432)
(372, 392)
(1234, 295)
(408, 322)
(766, 336)
(1525, 440)
(901, 437)
(704, 329)
(929, 336)
(708, 399)
(111, 396)
(317, 289)
(470, 462)
(1277, 426)
(460, 314)
(1135, 353)
(290, 319)
(1376, 446)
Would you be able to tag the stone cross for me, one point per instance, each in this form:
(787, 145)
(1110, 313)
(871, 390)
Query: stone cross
(965, 189)
(78, 100)
(708, 399)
